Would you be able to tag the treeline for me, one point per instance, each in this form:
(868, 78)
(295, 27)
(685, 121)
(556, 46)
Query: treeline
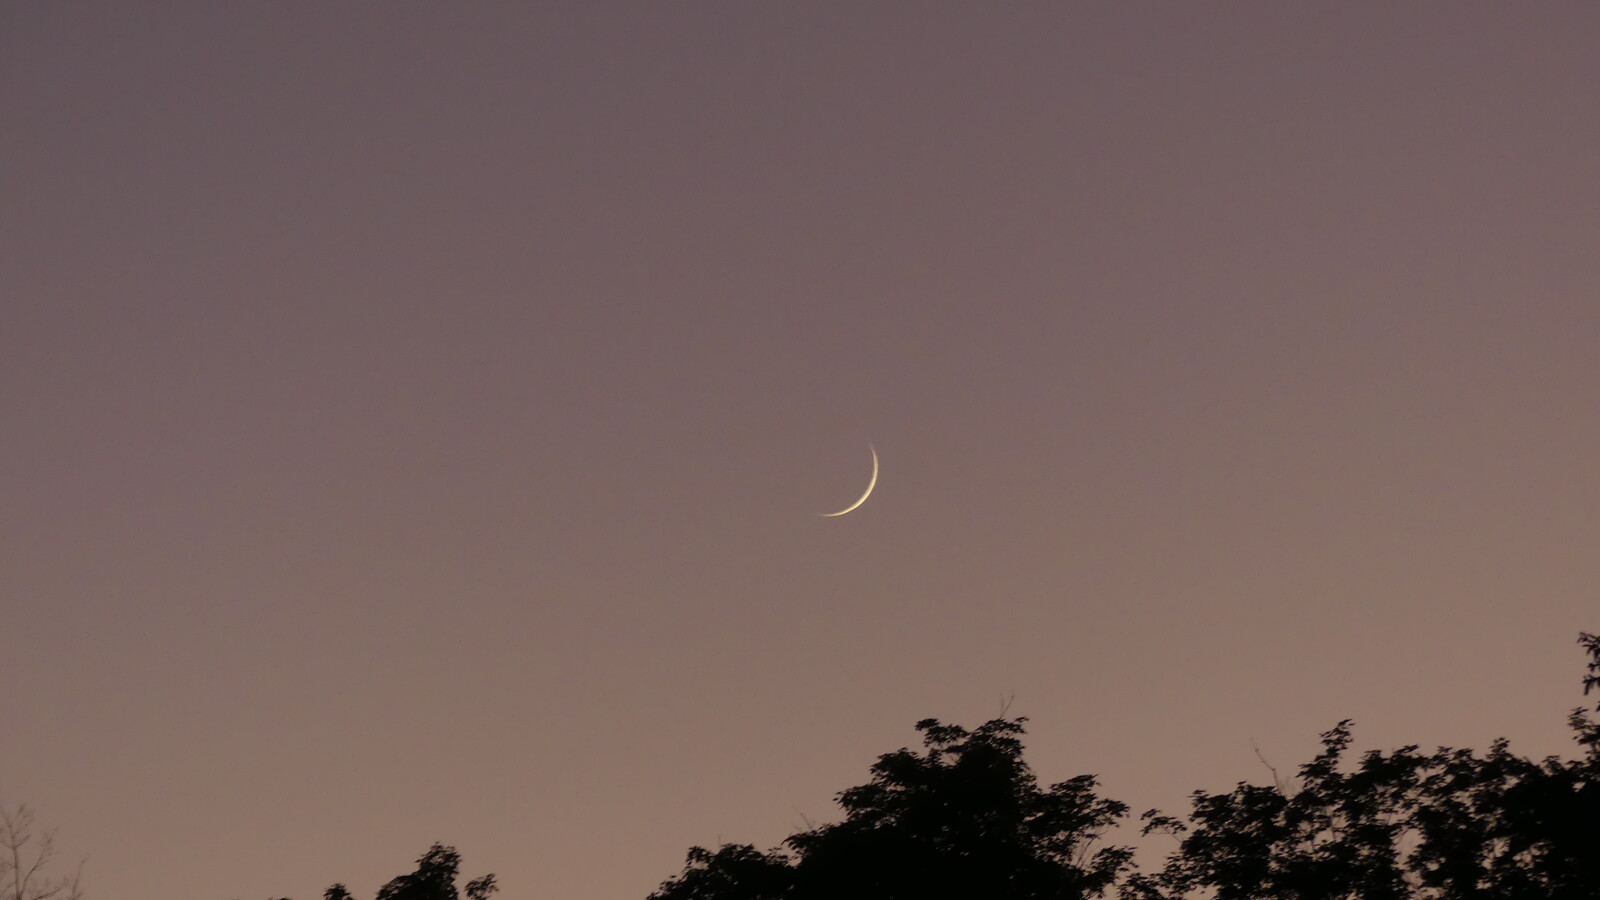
(434, 879)
(963, 818)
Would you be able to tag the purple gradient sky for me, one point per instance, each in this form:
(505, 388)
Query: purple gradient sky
(414, 415)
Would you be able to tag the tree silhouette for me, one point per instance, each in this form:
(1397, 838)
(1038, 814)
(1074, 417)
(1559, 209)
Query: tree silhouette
(966, 819)
(1587, 728)
(1333, 836)
(26, 856)
(1452, 825)
(963, 819)
(434, 879)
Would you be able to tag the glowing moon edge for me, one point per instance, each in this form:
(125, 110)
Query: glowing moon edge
(871, 483)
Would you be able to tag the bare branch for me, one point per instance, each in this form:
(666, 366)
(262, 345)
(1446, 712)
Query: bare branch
(24, 869)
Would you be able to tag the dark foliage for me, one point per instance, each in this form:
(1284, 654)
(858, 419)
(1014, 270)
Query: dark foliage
(965, 818)
(1451, 825)
(434, 879)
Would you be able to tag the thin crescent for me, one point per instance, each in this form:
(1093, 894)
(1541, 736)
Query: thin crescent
(871, 483)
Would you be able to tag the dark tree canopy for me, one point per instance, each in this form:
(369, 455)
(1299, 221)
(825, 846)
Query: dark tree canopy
(434, 879)
(964, 818)
(1450, 825)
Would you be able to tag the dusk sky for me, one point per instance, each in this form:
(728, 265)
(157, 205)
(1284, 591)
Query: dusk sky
(413, 417)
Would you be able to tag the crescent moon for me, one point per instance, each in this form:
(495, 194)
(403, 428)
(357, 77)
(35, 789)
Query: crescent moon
(871, 483)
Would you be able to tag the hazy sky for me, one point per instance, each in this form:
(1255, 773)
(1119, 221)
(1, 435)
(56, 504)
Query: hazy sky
(413, 416)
